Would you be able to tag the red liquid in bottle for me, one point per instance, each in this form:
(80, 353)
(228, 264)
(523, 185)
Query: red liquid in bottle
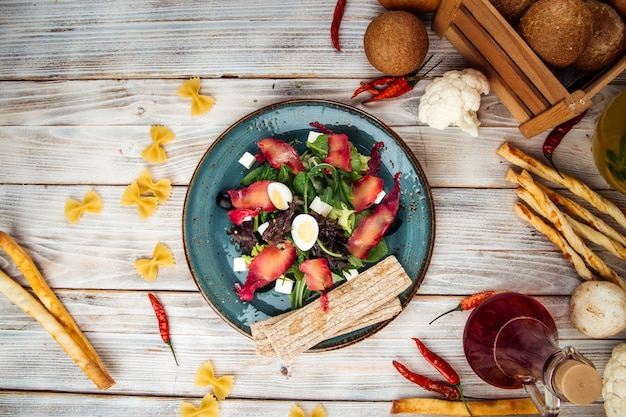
(508, 339)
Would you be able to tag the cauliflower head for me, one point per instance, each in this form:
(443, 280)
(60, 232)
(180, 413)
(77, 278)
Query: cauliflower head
(614, 385)
(453, 100)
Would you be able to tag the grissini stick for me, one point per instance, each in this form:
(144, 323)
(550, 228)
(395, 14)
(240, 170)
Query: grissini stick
(519, 158)
(24, 300)
(50, 302)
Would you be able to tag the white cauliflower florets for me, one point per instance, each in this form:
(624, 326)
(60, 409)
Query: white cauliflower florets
(453, 100)
(614, 385)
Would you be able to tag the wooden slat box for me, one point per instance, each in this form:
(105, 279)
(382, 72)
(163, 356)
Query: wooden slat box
(525, 85)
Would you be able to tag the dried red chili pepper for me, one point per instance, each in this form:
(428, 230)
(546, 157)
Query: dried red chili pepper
(437, 361)
(443, 367)
(395, 86)
(334, 27)
(164, 327)
(554, 138)
(444, 389)
(369, 87)
(469, 302)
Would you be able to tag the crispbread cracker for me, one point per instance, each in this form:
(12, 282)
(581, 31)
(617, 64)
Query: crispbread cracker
(388, 311)
(370, 291)
(265, 348)
(527, 162)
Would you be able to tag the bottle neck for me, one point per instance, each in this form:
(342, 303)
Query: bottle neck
(572, 377)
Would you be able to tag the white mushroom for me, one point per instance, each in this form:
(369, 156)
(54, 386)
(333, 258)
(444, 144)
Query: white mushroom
(598, 309)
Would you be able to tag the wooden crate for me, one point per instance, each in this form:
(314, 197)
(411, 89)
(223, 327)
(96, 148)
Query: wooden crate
(520, 79)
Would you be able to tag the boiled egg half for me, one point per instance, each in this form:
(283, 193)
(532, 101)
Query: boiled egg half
(280, 195)
(304, 231)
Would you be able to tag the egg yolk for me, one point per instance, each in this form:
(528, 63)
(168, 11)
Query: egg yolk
(306, 231)
(278, 200)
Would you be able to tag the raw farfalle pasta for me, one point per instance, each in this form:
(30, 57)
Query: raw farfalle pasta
(146, 205)
(199, 104)
(160, 189)
(74, 209)
(155, 153)
(146, 194)
(149, 268)
(298, 412)
(209, 407)
(221, 386)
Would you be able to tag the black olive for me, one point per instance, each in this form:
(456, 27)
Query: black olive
(395, 225)
(223, 200)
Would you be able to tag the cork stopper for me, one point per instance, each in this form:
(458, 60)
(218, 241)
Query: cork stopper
(578, 382)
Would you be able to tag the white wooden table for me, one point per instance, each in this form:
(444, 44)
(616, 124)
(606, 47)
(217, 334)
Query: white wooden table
(81, 82)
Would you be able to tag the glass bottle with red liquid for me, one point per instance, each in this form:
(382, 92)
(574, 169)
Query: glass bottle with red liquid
(511, 341)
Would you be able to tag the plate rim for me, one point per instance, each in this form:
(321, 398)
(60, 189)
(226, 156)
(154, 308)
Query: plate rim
(420, 274)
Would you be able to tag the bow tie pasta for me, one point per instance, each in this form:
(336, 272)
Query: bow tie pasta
(74, 209)
(199, 104)
(149, 268)
(155, 153)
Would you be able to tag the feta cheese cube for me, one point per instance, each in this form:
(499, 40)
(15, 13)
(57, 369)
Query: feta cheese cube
(262, 228)
(240, 265)
(313, 136)
(379, 197)
(247, 160)
(350, 273)
(283, 285)
(320, 207)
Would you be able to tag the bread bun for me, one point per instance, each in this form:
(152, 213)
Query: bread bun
(557, 30)
(414, 6)
(396, 43)
(619, 6)
(512, 10)
(607, 39)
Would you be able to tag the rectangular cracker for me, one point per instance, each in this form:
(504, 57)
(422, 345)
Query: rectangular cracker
(368, 292)
(265, 348)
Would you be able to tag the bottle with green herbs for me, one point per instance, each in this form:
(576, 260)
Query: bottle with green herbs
(609, 143)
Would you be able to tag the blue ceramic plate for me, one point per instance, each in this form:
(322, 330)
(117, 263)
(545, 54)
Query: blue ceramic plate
(209, 250)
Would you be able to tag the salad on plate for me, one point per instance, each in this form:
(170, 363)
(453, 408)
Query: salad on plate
(307, 221)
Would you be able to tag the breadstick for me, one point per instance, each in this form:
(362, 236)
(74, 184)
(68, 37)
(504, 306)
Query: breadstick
(562, 225)
(503, 407)
(555, 237)
(49, 299)
(598, 238)
(24, 300)
(583, 230)
(42, 290)
(527, 162)
(580, 211)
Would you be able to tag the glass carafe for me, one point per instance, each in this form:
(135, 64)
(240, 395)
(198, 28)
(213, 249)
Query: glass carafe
(609, 143)
(511, 341)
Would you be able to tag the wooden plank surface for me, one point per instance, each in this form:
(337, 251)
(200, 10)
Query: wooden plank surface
(81, 82)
